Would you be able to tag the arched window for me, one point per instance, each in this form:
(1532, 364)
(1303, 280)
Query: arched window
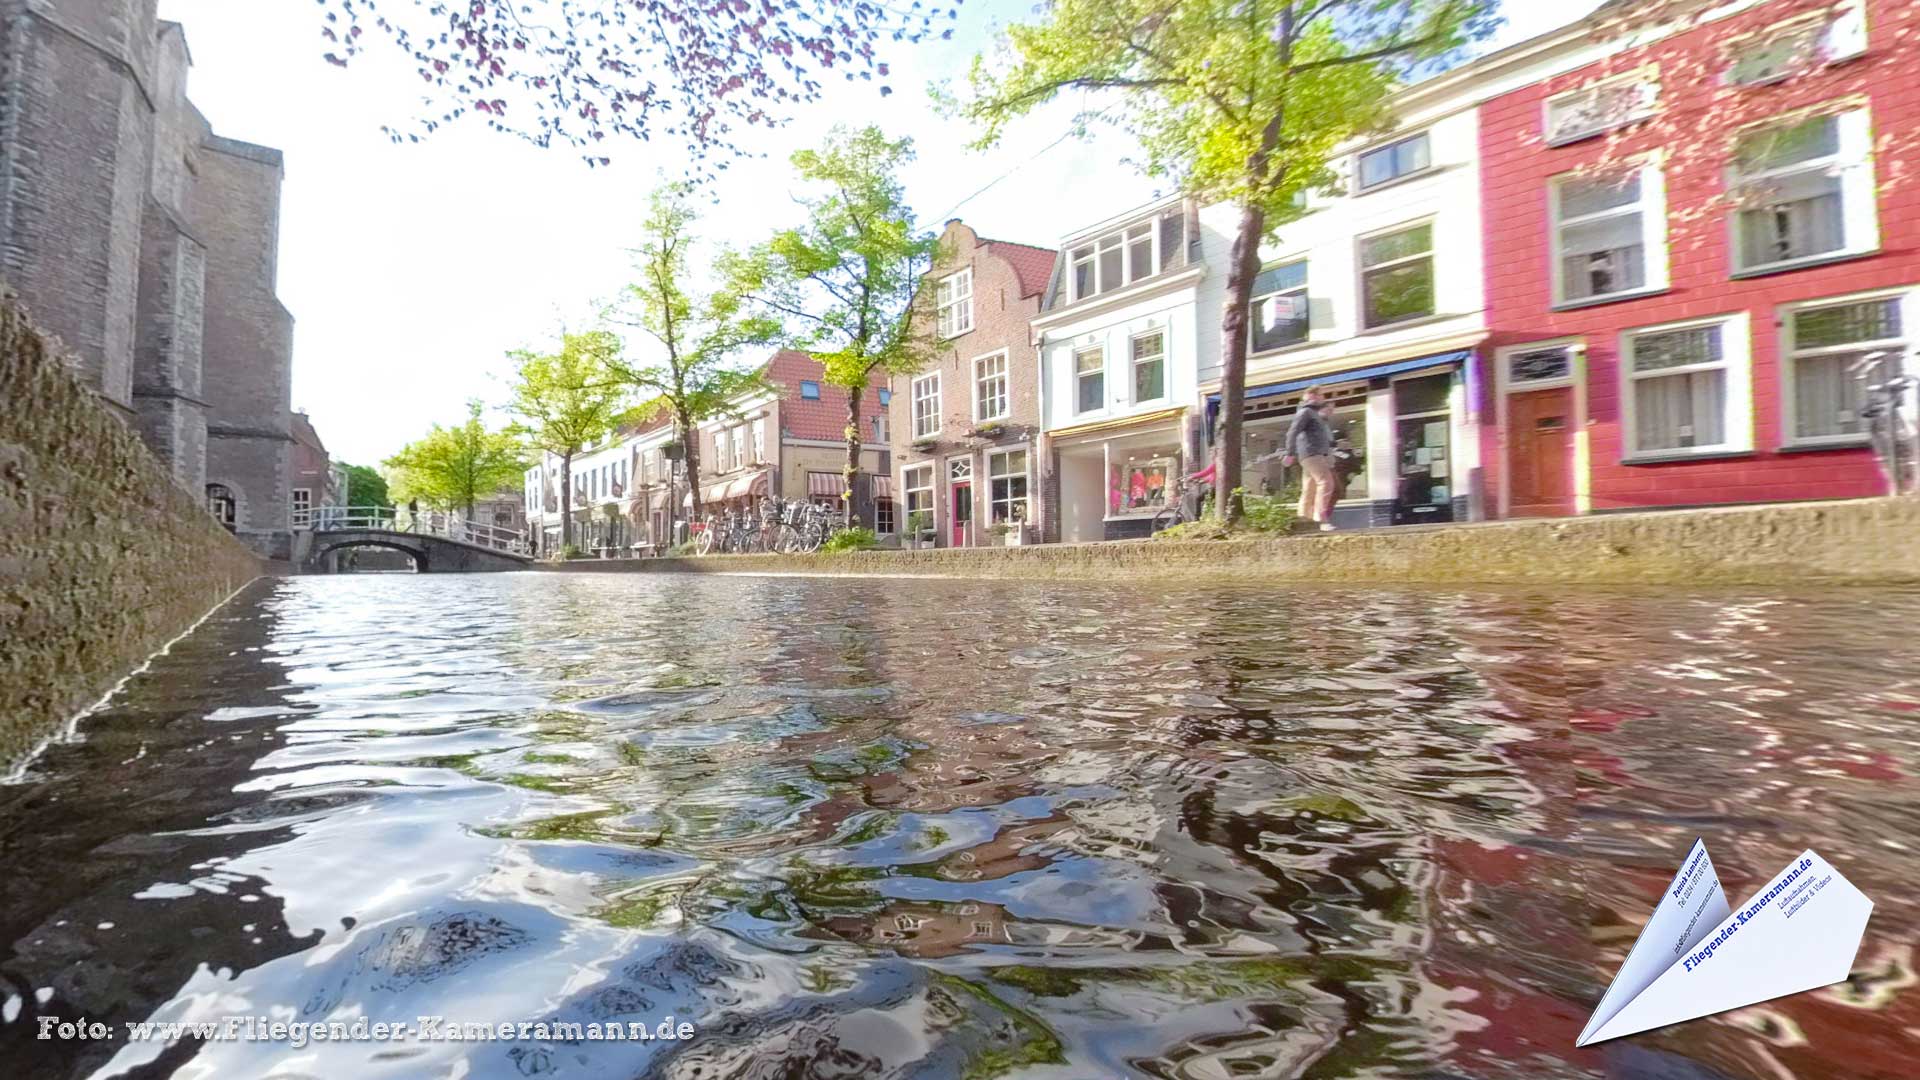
(220, 504)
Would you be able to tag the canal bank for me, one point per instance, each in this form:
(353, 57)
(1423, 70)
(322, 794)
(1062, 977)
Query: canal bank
(1864, 541)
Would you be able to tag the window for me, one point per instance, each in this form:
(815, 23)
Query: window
(809, 390)
(880, 434)
(1126, 255)
(1089, 379)
(1395, 160)
(740, 448)
(1140, 485)
(1150, 366)
(1280, 306)
(302, 507)
(1609, 234)
(1007, 483)
(886, 396)
(883, 517)
(1548, 364)
(954, 294)
(221, 504)
(1798, 46)
(919, 488)
(926, 406)
(759, 440)
(960, 469)
(1804, 190)
(1832, 351)
(1686, 389)
(720, 451)
(1608, 104)
(1396, 275)
(990, 387)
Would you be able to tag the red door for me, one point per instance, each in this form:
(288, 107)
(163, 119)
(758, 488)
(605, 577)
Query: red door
(962, 513)
(1540, 448)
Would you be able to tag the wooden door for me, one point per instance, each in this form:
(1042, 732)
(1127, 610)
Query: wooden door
(962, 513)
(1540, 450)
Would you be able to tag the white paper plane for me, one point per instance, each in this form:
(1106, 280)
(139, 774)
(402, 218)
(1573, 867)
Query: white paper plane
(1698, 957)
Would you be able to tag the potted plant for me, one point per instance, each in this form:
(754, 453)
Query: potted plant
(919, 529)
(992, 429)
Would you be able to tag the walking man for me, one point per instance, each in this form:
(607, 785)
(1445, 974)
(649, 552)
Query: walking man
(1310, 440)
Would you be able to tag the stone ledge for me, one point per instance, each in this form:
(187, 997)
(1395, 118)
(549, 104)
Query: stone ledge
(1865, 541)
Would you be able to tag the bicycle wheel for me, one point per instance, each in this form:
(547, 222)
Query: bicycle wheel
(704, 545)
(1167, 519)
(810, 541)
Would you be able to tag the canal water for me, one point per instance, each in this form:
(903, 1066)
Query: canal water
(893, 828)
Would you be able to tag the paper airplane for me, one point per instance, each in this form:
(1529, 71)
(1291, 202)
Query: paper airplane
(1697, 956)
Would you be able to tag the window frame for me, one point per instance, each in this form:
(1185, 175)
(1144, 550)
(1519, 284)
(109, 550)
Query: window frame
(1133, 365)
(1076, 353)
(1361, 271)
(299, 517)
(1736, 359)
(1908, 297)
(907, 490)
(949, 300)
(1005, 377)
(1120, 239)
(809, 389)
(1361, 187)
(1654, 240)
(1647, 75)
(994, 476)
(1305, 290)
(915, 398)
(1852, 161)
(1839, 33)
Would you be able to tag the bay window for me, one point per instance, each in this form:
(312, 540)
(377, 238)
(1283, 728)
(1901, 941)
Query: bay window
(1832, 351)
(1396, 276)
(1803, 190)
(1686, 389)
(1609, 234)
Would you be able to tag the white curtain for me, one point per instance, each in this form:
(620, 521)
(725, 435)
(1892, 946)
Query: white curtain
(1826, 396)
(1673, 412)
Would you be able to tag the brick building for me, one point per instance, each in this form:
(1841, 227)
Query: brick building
(965, 430)
(1708, 245)
(148, 244)
(314, 479)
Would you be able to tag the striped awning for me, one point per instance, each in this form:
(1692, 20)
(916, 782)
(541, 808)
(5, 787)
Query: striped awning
(883, 487)
(824, 483)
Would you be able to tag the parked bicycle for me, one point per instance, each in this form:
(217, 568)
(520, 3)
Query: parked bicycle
(1891, 433)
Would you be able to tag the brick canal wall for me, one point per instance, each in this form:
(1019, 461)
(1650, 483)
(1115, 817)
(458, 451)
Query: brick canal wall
(1868, 541)
(103, 557)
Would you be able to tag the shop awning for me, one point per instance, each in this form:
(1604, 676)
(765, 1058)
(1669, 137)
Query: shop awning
(824, 484)
(1376, 371)
(883, 487)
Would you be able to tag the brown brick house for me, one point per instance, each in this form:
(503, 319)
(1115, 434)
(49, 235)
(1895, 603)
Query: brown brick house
(965, 429)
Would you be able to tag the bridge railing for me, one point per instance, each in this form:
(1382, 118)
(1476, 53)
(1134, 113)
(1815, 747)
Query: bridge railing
(424, 523)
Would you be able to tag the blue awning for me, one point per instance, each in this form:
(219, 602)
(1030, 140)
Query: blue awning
(1254, 393)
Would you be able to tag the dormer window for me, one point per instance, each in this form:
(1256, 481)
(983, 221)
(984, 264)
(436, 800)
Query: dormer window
(1120, 258)
(1601, 107)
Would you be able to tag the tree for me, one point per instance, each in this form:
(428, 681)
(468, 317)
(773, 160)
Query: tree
(577, 71)
(699, 333)
(365, 487)
(567, 400)
(452, 468)
(1240, 101)
(846, 281)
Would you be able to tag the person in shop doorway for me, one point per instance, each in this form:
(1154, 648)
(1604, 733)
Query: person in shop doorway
(1310, 442)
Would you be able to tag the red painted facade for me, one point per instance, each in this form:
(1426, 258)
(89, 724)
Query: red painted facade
(1694, 129)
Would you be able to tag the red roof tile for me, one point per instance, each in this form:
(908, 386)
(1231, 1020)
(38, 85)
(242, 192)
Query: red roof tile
(826, 418)
(1033, 266)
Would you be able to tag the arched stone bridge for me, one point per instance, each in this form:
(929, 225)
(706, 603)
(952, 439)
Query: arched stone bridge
(437, 543)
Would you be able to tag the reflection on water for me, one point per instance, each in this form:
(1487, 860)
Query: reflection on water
(950, 829)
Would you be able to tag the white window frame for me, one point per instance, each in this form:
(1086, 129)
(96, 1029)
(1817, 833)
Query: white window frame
(720, 444)
(981, 398)
(954, 303)
(931, 400)
(300, 517)
(1361, 270)
(1361, 187)
(1074, 386)
(1829, 37)
(740, 447)
(1736, 358)
(1133, 365)
(994, 459)
(1648, 79)
(1859, 194)
(1909, 298)
(759, 430)
(1305, 293)
(907, 490)
(1089, 249)
(881, 428)
(1652, 208)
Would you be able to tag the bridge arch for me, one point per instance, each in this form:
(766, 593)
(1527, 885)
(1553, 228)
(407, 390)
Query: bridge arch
(414, 550)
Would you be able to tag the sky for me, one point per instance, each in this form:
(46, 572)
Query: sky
(412, 270)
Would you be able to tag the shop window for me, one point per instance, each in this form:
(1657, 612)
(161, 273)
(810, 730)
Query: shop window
(926, 406)
(1422, 435)
(1150, 366)
(1609, 234)
(1601, 107)
(1139, 485)
(955, 303)
(1804, 190)
(1089, 379)
(1280, 310)
(1007, 478)
(990, 387)
(1833, 351)
(1686, 389)
(1396, 275)
(1395, 160)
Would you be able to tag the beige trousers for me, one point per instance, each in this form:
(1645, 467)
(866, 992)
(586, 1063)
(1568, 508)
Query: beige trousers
(1316, 487)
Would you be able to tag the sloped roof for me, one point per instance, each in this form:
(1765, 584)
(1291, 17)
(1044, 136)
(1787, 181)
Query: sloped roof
(1032, 266)
(303, 432)
(827, 417)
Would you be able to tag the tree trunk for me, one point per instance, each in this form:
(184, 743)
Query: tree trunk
(852, 468)
(1243, 266)
(566, 500)
(690, 453)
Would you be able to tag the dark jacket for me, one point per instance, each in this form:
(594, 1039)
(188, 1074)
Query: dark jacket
(1310, 436)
